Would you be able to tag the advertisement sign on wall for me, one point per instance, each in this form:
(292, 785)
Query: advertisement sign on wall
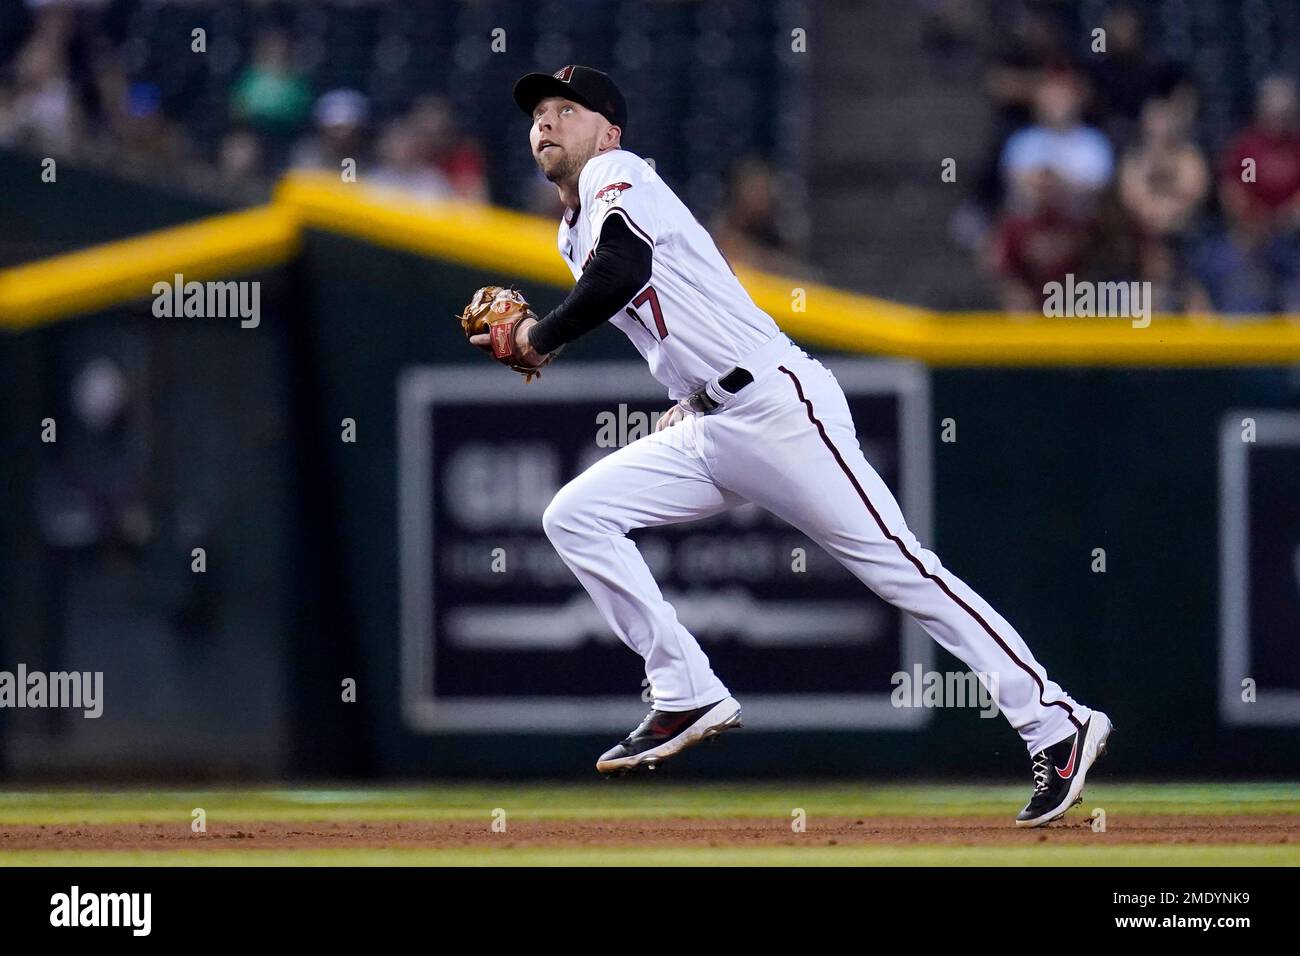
(1259, 529)
(497, 634)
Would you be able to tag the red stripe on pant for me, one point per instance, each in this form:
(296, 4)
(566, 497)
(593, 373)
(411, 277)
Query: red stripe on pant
(916, 562)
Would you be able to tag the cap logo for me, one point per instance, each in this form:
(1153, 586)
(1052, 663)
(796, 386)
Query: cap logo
(564, 74)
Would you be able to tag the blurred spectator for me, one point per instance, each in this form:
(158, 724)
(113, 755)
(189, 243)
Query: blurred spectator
(1129, 73)
(270, 95)
(1253, 264)
(241, 170)
(1034, 47)
(1034, 50)
(1245, 271)
(458, 157)
(746, 229)
(1164, 177)
(1174, 289)
(1272, 144)
(1079, 156)
(44, 111)
(240, 155)
(1114, 249)
(401, 165)
(147, 140)
(1036, 245)
(341, 118)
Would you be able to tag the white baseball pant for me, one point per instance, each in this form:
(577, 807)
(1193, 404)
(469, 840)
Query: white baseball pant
(787, 443)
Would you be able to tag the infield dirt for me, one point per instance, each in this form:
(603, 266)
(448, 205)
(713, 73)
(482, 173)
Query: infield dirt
(660, 832)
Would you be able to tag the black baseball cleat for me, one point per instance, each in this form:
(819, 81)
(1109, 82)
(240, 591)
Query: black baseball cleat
(1059, 772)
(665, 733)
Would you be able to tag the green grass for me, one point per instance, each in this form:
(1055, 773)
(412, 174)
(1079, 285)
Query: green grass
(618, 799)
(645, 799)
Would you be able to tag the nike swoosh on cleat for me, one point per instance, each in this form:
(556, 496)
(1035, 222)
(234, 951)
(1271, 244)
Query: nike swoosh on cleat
(1069, 767)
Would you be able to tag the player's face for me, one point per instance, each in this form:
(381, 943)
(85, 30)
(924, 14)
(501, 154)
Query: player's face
(564, 136)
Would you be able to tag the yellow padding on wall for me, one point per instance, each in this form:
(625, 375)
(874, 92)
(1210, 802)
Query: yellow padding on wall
(116, 272)
(522, 247)
(485, 237)
(996, 339)
(518, 246)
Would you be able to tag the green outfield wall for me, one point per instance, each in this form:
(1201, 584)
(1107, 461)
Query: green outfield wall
(1037, 478)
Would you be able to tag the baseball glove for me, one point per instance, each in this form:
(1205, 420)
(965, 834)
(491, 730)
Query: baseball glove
(497, 311)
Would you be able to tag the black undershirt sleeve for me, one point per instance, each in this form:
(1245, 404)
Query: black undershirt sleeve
(619, 269)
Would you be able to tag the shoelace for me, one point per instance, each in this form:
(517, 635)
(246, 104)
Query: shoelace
(1041, 764)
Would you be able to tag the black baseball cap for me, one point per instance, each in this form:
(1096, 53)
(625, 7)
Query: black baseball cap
(592, 88)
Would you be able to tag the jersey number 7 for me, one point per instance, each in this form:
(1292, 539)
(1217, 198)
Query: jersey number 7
(648, 295)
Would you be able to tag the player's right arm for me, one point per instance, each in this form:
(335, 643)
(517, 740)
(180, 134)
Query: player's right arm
(671, 417)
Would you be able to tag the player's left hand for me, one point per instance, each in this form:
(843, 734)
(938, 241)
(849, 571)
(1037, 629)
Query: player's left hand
(497, 320)
(524, 350)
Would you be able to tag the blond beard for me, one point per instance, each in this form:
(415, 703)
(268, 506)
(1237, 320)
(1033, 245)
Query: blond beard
(569, 167)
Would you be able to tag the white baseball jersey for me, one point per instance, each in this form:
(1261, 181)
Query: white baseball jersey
(693, 320)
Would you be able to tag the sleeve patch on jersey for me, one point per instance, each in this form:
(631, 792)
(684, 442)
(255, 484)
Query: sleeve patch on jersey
(609, 194)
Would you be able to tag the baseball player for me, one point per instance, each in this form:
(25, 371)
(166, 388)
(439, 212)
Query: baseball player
(756, 419)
